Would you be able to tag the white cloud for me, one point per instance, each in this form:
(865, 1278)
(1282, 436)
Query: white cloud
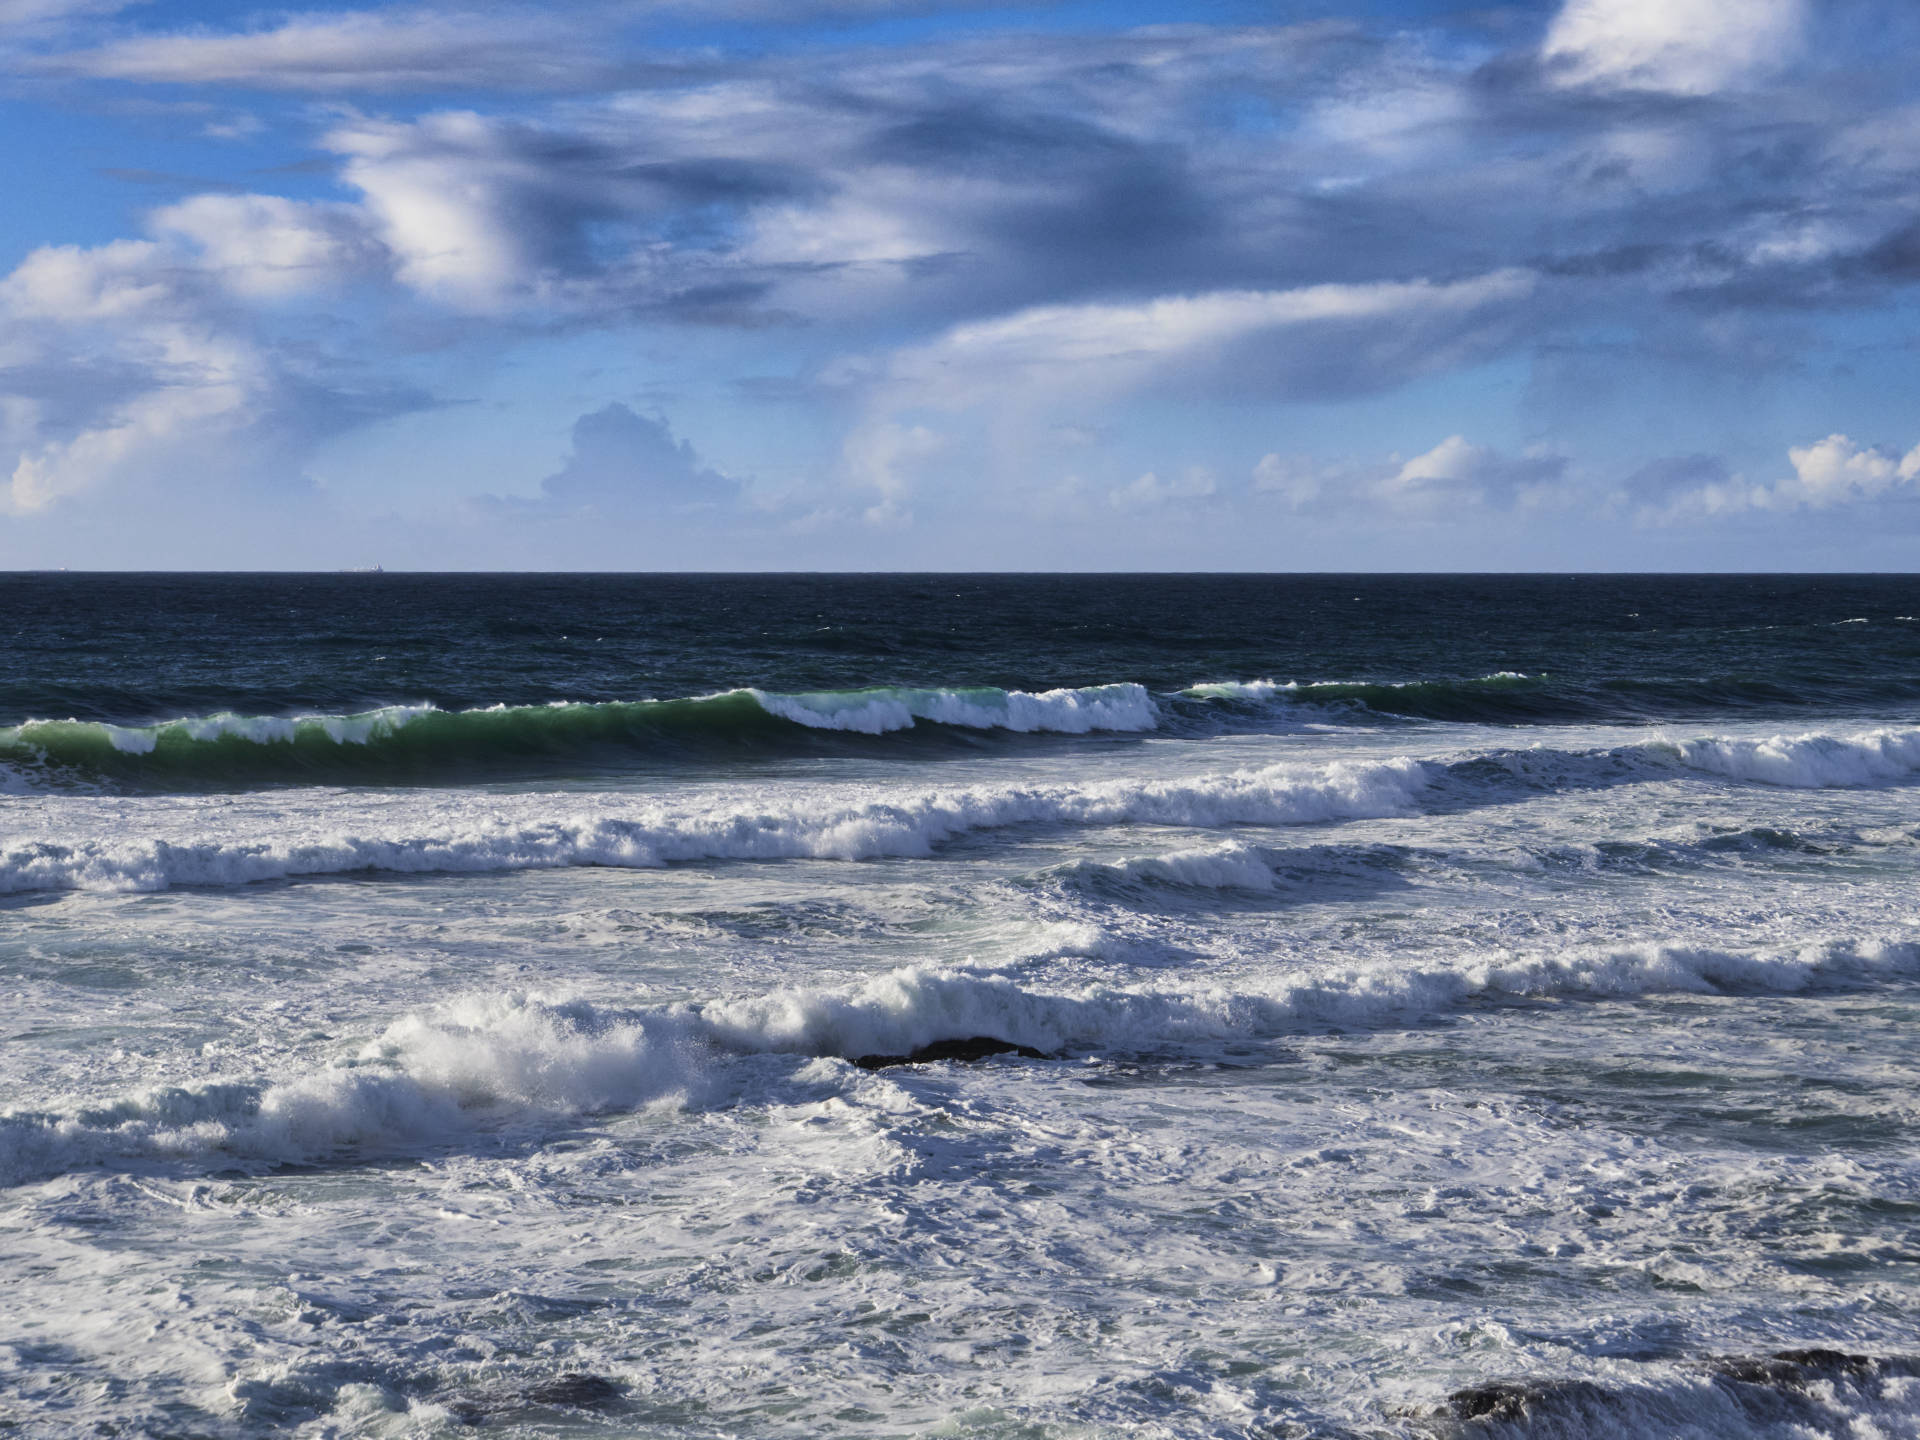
(123, 362)
(1294, 478)
(1117, 346)
(1835, 471)
(205, 387)
(375, 50)
(450, 197)
(1683, 47)
(1827, 475)
(264, 245)
(883, 457)
(1454, 476)
(72, 283)
(1150, 492)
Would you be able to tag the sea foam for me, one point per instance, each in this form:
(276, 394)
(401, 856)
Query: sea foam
(908, 824)
(1807, 761)
(431, 1079)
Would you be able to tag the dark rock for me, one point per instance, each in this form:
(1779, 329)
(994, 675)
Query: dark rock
(1795, 1368)
(1523, 1399)
(578, 1392)
(976, 1047)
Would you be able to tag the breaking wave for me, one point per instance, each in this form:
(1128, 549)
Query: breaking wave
(490, 1060)
(556, 831)
(422, 744)
(1809, 761)
(404, 742)
(651, 836)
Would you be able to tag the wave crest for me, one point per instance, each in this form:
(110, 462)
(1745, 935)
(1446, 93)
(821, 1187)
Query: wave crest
(430, 1080)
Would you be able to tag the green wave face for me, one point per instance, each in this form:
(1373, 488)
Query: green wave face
(420, 743)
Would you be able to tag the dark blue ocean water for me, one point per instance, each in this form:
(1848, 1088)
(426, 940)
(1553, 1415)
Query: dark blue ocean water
(143, 650)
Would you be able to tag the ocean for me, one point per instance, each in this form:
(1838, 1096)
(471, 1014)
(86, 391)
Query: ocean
(1421, 1006)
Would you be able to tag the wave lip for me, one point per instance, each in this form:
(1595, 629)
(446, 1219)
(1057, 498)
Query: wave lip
(1503, 697)
(1809, 761)
(1123, 707)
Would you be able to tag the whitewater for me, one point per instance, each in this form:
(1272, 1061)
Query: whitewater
(1515, 1046)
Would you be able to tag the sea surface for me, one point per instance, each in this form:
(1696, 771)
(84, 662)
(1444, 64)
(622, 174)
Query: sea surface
(1433, 1007)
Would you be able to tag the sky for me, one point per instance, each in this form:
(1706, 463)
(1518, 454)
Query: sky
(872, 285)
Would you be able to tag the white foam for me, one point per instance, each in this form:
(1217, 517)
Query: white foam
(1067, 712)
(1217, 867)
(358, 729)
(431, 1079)
(911, 1007)
(427, 1080)
(650, 835)
(1268, 689)
(1240, 689)
(1808, 761)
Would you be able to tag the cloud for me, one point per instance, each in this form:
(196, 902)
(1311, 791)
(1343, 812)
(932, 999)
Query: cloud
(265, 246)
(22, 16)
(628, 466)
(1317, 340)
(1827, 475)
(1150, 492)
(1009, 233)
(1454, 477)
(71, 283)
(883, 457)
(416, 50)
(123, 363)
(207, 388)
(484, 215)
(1683, 47)
(1456, 474)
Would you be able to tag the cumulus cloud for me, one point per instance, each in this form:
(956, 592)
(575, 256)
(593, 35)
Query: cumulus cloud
(1827, 475)
(1835, 471)
(124, 362)
(629, 467)
(1457, 473)
(1683, 47)
(264, 245)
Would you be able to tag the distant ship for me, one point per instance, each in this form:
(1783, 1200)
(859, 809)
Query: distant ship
(362, 570)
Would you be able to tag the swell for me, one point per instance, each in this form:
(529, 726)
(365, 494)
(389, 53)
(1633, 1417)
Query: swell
(438, 1079)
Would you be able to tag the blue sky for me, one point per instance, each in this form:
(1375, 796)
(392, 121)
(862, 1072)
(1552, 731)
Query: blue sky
(855, 284)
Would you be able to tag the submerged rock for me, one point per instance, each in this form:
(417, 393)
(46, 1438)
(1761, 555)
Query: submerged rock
(975, 1047)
